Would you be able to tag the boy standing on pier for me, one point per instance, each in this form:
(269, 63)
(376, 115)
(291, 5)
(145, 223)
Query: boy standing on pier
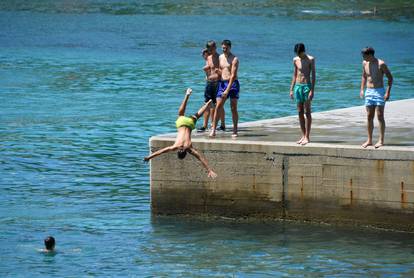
(302, 89)
(229, 87)
(213, 74)
(373, 71)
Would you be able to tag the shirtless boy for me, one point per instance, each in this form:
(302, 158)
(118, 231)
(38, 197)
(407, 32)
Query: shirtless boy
(183, 143)
(213, 74)
(302, 89)
(228, 87)
(373, 71)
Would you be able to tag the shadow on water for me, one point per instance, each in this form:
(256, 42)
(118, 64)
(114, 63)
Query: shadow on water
(280, 246)
(252, 226)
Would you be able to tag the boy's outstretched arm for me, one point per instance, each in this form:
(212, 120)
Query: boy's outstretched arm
(159, 152)
(203, 161)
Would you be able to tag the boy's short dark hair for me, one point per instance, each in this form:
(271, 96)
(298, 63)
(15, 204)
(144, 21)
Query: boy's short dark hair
(210, 43)
(50, 243)
(368, 50)
(204, 51)
(299, 48)
(226, 42)
(181, 154)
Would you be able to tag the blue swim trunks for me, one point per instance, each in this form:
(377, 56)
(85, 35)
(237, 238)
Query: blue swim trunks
(301, 92)
(374, 97)
(234, 90)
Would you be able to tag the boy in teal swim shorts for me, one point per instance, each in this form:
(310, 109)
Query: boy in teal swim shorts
(183, 145)
(302, 89)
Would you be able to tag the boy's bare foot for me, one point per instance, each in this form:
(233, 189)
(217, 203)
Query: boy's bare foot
(300, 141)
(234, 135)
(378, 145)
(188, 92)
(304, 141)
(212, 133)
(366, 144)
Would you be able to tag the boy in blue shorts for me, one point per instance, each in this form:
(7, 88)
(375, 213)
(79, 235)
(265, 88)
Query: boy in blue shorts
(228, 87)
(373, 71)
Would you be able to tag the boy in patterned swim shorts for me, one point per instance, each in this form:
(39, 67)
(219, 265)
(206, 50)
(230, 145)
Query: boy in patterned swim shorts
(373, 71)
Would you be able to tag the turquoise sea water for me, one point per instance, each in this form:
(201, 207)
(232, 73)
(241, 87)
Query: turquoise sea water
(84, 84)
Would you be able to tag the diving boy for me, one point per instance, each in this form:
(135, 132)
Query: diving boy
(183, 145)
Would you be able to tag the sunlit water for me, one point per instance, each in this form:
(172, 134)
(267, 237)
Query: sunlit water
(84, 84)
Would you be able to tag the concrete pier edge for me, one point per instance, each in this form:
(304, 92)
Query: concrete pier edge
(321, 182)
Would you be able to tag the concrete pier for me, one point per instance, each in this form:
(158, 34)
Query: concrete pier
(263, 173)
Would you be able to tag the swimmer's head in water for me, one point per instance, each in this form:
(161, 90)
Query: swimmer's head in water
(299, 48)
(50, 243)
(181, 153)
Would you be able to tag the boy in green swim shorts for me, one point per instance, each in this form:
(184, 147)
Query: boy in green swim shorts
(302, 89)
(185, 124)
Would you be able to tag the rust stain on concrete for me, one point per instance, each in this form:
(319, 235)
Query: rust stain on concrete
(403, 196)
(380, 166)
(301, 187)
(254, 181)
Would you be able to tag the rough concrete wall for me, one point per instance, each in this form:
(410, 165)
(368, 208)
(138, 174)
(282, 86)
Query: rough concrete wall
(247, 182)
(374, 187)
(364, 191)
